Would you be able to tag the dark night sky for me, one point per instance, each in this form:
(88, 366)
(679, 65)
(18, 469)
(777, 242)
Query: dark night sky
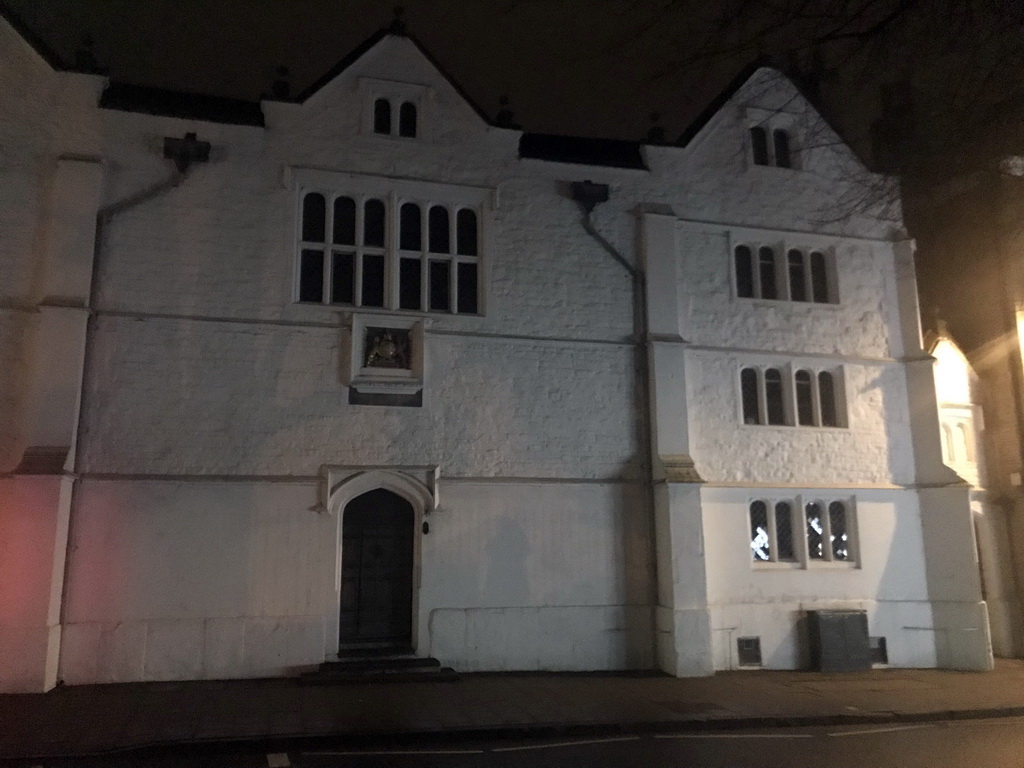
(583, 67)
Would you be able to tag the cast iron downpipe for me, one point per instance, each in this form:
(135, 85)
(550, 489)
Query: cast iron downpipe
(183, 153)
(588, 195)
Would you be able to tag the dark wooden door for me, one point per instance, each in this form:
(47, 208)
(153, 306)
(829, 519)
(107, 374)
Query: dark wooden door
(376, 570)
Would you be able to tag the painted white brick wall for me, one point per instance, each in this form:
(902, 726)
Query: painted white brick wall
(187, 397)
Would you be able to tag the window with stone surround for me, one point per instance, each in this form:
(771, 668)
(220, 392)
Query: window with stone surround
(771, 146)
(400, 246)
(821, 533)
(783, 395)
(804, 275)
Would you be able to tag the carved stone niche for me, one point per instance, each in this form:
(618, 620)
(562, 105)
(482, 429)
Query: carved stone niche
(385, 356)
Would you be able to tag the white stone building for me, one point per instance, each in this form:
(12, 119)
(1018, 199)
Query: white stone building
(356, 368)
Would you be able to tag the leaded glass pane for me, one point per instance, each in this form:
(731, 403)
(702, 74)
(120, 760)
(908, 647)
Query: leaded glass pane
(784, 530)
(760, 545)
(839, 535)
(815, 532)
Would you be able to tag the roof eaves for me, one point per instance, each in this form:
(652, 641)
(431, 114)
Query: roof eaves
(126, 97)
(577, 150)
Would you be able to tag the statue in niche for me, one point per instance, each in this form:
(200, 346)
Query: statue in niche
(386, 348)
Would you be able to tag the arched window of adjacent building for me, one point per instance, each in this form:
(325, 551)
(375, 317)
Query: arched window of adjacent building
(782, 154)
(760, 543)
(819, 278)
(815, 531)
(744, 273)
(797, 276)
(766, 264)
(947, 444)
(804, 399)
(748, 388)
(838, 533)
(382, 117)
(759, 145)
(466, 232)
(960, 436)
(827, 398)
(407, 120)
(774, 399)
(968, 441)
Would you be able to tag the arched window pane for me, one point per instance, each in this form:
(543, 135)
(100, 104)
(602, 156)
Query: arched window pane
(410, 283)
(465, 232)
(440, 237)
(373, 223)
(784, 531)
(766, 259)
(773, 396)
(407, 119)
(782, 156)
(815, 532)
(837, 530)
(759, 143)
(314, 218)
(748, 385)
(961, 443)
(744, 273)
(819, 278)
(827, 394)
(759, 544)
(804, 406)
(947, 443)
(344, 221)
(410, 225)
(797, 276)
(382, 117)
(968, 441)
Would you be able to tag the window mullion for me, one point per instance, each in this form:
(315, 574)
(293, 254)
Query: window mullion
(391, 251)
(755, 266)
(773, 536)
(826, 530)
(762, 397)
(357, 292)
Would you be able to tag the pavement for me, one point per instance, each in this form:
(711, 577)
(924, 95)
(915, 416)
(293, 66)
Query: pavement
(75, 721)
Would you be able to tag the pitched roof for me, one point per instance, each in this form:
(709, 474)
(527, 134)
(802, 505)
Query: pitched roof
(584, 151)
(190, 106)
(395, 29)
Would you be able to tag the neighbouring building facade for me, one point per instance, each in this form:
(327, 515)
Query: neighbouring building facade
(364, 367)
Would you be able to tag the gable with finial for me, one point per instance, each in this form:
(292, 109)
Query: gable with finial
(391, 86)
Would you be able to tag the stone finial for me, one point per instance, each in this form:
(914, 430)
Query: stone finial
(397, 26)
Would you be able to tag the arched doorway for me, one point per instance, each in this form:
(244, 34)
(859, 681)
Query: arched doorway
(376, 571)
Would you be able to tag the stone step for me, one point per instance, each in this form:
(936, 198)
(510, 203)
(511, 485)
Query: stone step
(381, 668)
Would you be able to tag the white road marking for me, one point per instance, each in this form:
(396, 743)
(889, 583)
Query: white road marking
(734, 735)
(564, 744)
(278, 760)
(355, 753)
(882, 730)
